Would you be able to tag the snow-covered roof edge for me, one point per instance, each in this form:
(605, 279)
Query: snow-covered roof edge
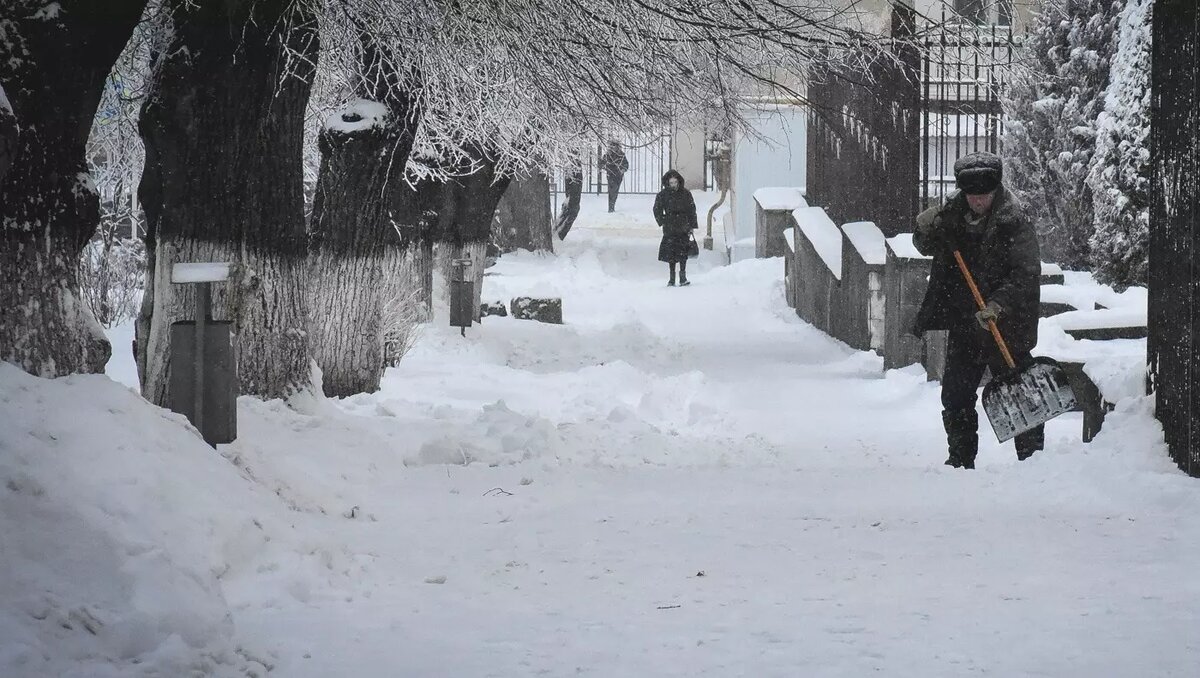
(824, 235)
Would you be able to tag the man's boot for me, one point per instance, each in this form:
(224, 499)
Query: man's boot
(1029, 442)
(962, 437)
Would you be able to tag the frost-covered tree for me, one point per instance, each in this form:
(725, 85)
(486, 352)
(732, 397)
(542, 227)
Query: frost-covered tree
(1120, 172)
(1051, 110)
(54, 60)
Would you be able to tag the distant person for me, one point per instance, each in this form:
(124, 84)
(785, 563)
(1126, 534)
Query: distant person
(615, 164)
(570, 210)
(984, 222)
(675, 212)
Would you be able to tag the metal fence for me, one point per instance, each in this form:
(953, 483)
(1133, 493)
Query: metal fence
(864, 135)
(649, 158)
(963, 67)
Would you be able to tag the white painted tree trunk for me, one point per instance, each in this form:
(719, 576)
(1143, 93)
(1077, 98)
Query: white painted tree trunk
(346, 300)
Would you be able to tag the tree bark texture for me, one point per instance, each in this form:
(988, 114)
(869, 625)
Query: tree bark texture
(524, 216)
(224, 132)
(465, 220)
(1174, 236)
(348, 247)
(9, 134)
(57, 60)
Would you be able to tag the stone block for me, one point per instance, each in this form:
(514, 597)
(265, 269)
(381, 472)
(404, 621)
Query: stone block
(542, 310)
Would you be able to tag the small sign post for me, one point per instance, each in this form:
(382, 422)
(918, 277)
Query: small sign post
(462, 294)
(203, 383)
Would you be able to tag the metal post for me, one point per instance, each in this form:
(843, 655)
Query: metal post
(203, 295)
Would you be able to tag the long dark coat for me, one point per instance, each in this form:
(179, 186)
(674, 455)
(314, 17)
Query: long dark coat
(1006, 264)
(675, 212)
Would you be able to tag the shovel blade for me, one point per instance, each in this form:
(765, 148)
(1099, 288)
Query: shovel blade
(1027, 398)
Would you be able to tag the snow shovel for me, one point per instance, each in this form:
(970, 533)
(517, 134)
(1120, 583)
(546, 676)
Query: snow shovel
(1020, 399)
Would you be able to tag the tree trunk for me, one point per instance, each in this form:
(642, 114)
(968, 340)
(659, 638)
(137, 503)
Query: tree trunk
(347, 257)
(408, 264)
(524, 216)
(465, 222)
(1174, 237)
(54, 68)
(9, 134)
(224, 133)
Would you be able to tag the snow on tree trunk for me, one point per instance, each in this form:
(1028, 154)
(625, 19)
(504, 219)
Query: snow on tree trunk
(364, 150)
(1174, 248)
(1051, 110)
(1120, 174)
(524, 216)
(53, 66)
(224, 131)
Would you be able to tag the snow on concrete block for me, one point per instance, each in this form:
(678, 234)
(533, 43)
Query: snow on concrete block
(824, 235)
(1125, 323)
(780, 198)
(541, 310)
(789, 236)
(868, 240)
(902, 246)
(200, 272)
(1052, 274)
(357, 116)
(1118, 377)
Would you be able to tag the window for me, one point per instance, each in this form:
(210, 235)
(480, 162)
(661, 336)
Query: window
(984, 12)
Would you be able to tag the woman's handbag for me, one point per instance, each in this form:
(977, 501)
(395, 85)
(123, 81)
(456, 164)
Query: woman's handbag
(693, 246)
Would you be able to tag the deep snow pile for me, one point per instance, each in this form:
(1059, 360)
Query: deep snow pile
(675, 482)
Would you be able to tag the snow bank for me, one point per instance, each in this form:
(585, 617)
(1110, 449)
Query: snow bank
(1051, 269)
(357, 116)
(1118, 377)
(780, 198)
(825, 236)
(117, 524)
(902, 246)
(866, 237)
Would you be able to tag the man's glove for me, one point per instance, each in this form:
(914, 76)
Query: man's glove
(990, 313)
(929, 222)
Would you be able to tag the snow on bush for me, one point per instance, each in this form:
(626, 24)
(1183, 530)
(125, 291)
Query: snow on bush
(1120, 173)
(1051, 111)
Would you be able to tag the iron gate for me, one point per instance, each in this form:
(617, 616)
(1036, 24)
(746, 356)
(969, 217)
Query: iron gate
(963, 67)
(649, 158)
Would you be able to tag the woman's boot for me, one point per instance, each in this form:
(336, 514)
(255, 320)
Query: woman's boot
(683, 281)
(671, 282)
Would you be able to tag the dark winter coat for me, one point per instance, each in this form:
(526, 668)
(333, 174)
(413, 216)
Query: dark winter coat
(675, 213)
(1003, 257)
(614, 162)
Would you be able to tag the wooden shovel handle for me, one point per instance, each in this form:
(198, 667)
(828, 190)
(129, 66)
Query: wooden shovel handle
(962, 266)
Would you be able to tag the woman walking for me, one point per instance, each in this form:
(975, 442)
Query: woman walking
(675, 212)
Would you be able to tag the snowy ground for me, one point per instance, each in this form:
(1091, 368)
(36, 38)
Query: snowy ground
(676, 482)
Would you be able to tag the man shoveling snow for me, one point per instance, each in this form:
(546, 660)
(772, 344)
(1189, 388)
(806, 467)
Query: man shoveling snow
(986, 224)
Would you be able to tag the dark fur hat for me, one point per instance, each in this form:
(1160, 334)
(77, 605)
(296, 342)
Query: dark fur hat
(979, 173)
